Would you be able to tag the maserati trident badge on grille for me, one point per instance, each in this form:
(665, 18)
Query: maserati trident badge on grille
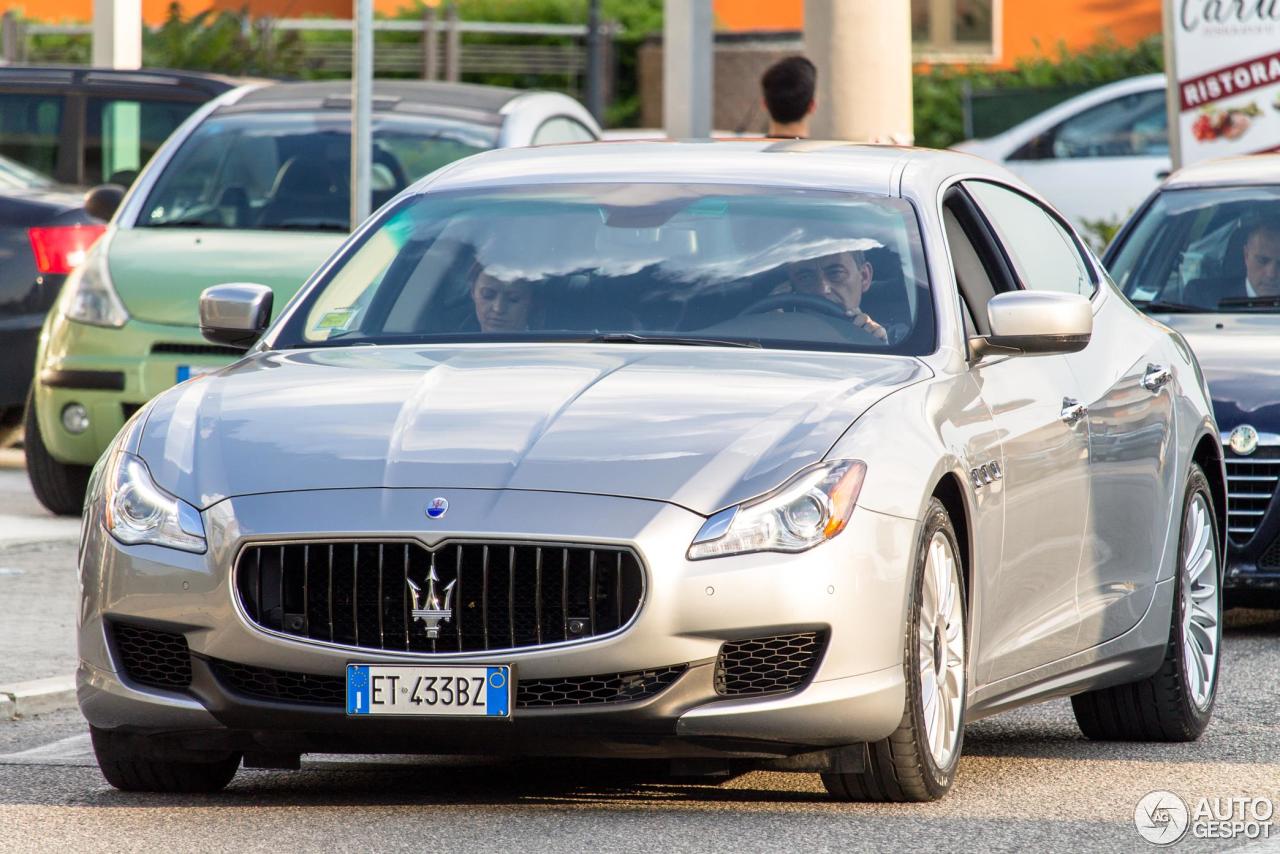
(1244, 440)
(437, 508)
(428, 608)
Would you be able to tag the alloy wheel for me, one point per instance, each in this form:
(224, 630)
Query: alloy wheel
(1201, 629)
(940, 650)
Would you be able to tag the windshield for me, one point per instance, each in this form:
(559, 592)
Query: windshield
(292, 170)
(14, 174)
(1204, 250)
(631, 263)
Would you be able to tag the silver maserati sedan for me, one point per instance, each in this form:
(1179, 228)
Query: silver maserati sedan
(792, 455)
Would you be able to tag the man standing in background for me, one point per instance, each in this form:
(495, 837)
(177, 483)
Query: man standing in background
(789, 86)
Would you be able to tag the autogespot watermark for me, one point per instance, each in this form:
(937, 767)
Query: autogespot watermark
(1162, 818)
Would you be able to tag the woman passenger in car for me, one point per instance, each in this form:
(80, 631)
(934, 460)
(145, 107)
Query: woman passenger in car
(501, 305)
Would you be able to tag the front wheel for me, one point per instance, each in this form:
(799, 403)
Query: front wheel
(60, 487)
(1175, 703)
(918, 761)
(124, 769)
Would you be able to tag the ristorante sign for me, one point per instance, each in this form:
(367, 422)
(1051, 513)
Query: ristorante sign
(1223, 61)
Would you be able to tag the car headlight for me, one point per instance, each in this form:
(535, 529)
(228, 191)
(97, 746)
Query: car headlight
(811, 508)
(89, 295)
(138, 511)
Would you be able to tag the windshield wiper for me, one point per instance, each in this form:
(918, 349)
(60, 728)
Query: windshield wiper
(1166, 307)
(636, 338)
(1250, 302)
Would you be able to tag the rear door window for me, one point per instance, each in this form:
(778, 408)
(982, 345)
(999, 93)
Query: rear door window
(29, 128)
(122, 134)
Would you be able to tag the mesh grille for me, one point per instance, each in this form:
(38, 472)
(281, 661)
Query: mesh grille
(487, 595)
(150, 657)
(1270, 559)
(767, 665)
(281, 685)
(1251, 481)
(534, 693)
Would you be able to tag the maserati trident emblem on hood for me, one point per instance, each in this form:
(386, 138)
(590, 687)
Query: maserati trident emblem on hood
(428, 608)
(437, 508)
(1243, 440)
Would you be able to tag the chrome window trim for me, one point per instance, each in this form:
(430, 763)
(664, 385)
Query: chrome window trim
(460, 539)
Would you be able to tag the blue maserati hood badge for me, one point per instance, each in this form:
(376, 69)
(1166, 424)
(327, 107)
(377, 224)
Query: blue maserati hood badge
(437, 508)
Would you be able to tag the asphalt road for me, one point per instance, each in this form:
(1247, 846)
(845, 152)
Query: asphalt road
(1028, 780)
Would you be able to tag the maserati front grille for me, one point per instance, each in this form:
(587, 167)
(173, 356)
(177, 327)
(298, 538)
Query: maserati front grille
(459, 597)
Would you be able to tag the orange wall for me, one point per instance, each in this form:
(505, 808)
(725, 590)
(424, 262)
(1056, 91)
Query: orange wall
(1023, 23)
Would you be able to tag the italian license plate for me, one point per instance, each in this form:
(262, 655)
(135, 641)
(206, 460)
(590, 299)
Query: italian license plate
(186, 372)
(420, 689)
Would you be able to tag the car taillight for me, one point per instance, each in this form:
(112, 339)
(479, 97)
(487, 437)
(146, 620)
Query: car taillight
(61, 248)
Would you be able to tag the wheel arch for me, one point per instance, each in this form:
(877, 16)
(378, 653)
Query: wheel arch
(950, 491)
(1208, 455)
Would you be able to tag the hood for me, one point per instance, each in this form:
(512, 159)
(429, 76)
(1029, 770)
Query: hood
(699, 427)
(160, 272)
(1240, 357)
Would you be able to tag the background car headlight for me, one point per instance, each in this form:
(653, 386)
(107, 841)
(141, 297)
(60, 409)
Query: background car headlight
(138, 511)
(809, 509)
(89, 295)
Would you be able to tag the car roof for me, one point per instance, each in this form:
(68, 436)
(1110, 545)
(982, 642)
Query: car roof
(474, 102)
(810, 164)
(54, 76)
(1229, 171)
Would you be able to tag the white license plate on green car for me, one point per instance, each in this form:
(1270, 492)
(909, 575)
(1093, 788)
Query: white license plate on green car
(429, 689)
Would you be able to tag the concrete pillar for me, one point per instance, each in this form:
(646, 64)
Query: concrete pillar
(361, 110)
(687, 49)
(862, 49)
(117, 33)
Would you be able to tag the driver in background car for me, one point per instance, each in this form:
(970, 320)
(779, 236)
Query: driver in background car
(1261, 275)
(842, 277)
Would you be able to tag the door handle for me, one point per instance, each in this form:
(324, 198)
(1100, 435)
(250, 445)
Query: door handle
(1073, 411)
(1156, 378)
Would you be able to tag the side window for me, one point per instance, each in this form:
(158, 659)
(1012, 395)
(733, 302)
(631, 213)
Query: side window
(1044, 253)
(1135, 125)
(561, 129)
(121, 135)
(29, 128)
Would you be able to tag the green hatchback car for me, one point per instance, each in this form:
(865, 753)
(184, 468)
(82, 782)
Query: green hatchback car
(253, 187)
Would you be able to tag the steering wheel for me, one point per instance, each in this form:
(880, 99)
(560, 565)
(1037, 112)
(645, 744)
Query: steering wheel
(797, 302)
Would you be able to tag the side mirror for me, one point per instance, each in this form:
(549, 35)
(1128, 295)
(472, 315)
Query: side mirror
(1036, 323)
(236, 314)
(102, 201)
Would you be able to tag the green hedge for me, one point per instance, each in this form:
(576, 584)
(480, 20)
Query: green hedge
(939, 92)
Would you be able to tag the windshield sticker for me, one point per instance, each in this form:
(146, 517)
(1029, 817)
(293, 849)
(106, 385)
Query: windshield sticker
(337, 320)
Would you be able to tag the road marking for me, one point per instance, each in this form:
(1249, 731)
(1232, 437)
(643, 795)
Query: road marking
(75, 750)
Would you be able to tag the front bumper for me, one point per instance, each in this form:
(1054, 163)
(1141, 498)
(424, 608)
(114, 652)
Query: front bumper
(852, 590)
(111, 372)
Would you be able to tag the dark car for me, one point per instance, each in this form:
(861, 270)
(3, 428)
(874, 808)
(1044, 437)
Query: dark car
(44, 233)
(1202, 255)
(63, 129)
(86, 126)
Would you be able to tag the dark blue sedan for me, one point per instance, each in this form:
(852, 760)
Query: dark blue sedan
(1202, 255)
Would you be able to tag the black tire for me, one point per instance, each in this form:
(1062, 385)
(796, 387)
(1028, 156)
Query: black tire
(60, 487)
(1160, 707)
(182, 774)
(901, 767)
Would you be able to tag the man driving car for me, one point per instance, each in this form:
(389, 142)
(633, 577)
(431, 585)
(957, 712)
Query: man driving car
(842, 277)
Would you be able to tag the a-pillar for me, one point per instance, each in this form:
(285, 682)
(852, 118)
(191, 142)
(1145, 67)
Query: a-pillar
(117, 33)
(862, 49)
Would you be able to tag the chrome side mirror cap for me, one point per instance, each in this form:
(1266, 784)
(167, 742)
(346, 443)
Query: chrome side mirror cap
(235, 314)
(1036, 323)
